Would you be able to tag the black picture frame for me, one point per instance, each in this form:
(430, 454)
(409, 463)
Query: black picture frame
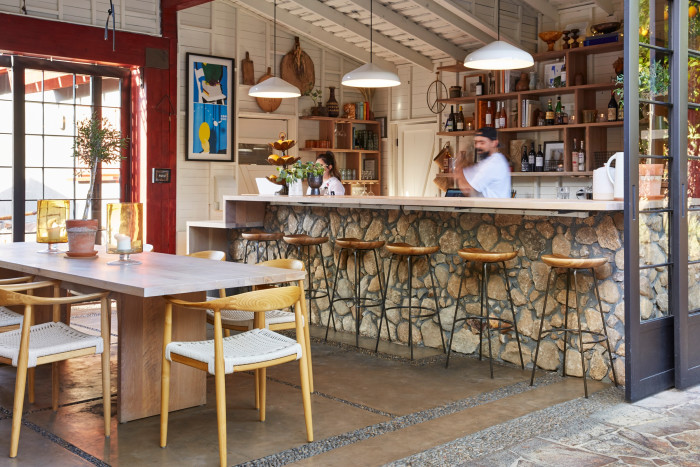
(161, 176)
(382, 126)
(210, 94)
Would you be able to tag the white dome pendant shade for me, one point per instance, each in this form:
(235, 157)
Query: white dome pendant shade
(274, 88)
(370, 75)
(498, 55)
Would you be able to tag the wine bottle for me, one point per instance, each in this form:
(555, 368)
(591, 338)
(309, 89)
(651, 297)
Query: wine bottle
(557, 111)
(489, 114)
(479, 87)
(450, 126)
(531, 157)
(460, 120)
(549, 115)
(446, 163)
(524, 160)
(497, 116)
(612, 108)
(503, 117)
(582, 159)
(539, 159)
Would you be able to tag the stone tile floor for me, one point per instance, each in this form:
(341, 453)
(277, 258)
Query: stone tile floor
(368, 410)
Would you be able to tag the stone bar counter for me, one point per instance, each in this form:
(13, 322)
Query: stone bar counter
(577, 228)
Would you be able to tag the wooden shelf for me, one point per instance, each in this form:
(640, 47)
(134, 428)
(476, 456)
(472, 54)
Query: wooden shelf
(360, 182)
(459, 100)
(457, 133)
(534, 174)
(561, 127)
(338, 120)
(582, 51)
(361, 151)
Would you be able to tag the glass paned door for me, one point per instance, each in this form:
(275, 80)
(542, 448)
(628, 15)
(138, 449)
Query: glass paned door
(6, 125)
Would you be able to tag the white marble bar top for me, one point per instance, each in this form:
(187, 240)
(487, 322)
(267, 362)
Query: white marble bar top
(159, 274)
(428, 203)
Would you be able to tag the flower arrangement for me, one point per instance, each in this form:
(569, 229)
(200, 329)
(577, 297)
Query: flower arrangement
(314, 169)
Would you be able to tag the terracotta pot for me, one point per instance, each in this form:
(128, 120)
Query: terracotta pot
(81, 235)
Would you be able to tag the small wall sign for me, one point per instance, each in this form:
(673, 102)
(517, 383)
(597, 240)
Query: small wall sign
(161, 175)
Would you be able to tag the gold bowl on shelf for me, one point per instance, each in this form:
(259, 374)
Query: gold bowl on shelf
(550, 37)
(274, 159)
(605, 28)
(283, 144)
(275, 180)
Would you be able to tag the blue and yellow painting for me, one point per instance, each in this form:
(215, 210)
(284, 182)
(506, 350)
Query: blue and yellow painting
(210, 119)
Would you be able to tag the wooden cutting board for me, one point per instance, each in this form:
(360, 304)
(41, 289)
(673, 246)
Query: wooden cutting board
(267, 104)
(247, 71)
(297, 68)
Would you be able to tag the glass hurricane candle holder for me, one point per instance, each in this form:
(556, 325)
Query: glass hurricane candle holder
(124, 231)
(51, 215)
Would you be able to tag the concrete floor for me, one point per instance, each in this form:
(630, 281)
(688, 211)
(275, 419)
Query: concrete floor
(367, 410)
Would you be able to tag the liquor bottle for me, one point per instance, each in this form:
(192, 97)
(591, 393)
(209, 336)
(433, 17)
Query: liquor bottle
(549, 115)
(557, 112)
(524, 161)
(446, 163)
(539, 159)
(460, 120)
(574, 158)
(450, 125)
(612, 108)
(497, 116)
(531, 157)
(503, 117)
(489, 114)
(564, 116)
(563, 74)
(479, 87)
(582, 159)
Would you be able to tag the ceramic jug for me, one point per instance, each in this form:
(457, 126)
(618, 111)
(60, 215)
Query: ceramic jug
(617, 177)
(602, 186)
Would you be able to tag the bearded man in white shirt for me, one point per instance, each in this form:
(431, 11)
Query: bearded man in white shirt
(490, 178)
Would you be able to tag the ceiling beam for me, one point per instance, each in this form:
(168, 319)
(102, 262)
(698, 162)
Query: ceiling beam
(412, 28)
(181, 4)
(546, 8)
(308, 30)
(457, 16)
(356, 27)
(606, 6)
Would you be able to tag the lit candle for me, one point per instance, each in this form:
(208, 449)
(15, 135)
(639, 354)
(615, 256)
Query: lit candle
(123, 242)
(54, 233)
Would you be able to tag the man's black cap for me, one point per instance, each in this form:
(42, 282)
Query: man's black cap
(488, 132)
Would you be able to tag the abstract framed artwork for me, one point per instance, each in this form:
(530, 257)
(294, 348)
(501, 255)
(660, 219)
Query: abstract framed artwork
(210, 98)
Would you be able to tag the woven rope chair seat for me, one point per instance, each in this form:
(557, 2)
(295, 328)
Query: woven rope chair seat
(241, 318)
(47, 339)
(256, 346)
(9, 317)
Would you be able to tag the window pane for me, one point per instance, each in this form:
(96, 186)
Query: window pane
(693, 287)
(653, 290)
(113, 116)
(111, 92)
(82, 112)
(653, 238)
(34, 85)
(693, 236)
(58, 119)
(6, 188)
(34, 151)
(83, 89)
(58, 87)
(693, 80)
(5, 221)
(5, 114)
(654, 75)
(58, 183)
(694, 157)
(34, 118)
(5, 88)
(653, 22)
(30, 220)
(58, 151)
(694, 25)
(110, 183)
(6, 152)
(34, 189)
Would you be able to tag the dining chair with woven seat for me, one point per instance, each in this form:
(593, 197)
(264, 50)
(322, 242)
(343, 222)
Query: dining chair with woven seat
(250, 350)
(50, 342)
(9, 320)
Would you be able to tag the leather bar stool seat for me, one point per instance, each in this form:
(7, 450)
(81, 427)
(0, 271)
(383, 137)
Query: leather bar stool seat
(484, 257)
(357, 247)
(574, 267)
(304, 240)
(410, 253)
(257, 236)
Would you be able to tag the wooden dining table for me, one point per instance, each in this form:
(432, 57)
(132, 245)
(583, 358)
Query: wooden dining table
(139, 290)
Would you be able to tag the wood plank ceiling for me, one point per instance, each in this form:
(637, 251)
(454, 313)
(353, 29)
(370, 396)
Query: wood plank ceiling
(421, 32)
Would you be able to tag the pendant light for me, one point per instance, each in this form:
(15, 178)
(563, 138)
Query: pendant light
(370, 75)
(498, 55)
(274, 87)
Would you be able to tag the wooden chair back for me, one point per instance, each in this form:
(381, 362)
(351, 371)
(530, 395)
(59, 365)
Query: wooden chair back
(209, 254)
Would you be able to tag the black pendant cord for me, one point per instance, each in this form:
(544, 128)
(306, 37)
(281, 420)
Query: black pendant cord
(274, 39)
(498, 20)
(371, 30)
(110, 12)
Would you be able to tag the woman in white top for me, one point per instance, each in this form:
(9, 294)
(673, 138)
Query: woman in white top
(331, 177)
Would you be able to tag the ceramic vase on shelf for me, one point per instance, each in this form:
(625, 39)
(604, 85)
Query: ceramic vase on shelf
(332, 104)
(315, 182)
(296, 188)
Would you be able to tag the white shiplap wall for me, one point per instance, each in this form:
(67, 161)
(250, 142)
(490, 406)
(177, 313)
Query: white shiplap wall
(142, 16)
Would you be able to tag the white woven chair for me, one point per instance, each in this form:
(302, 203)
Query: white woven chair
(250, 350)
(50, 342)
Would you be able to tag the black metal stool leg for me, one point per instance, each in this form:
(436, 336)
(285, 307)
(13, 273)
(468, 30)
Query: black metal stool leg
(539, 334)
(335, 288)
(566, 317)
(382, 291)
(485, 292)
(358, 310)
(580, 337)
(437, 308)
(325, 279)
(605, 327)
(481, 311)
(279, 252)
(383, 315)
(454, 320)
(512, 310)
(245, 251)
(410, 305)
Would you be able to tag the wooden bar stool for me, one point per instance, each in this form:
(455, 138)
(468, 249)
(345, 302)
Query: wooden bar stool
(477, 255)
(576, 265)
(301, 242)
(357, 247)
(410, 253)
(259, 236)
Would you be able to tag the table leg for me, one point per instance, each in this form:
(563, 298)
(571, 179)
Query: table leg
(140, 354)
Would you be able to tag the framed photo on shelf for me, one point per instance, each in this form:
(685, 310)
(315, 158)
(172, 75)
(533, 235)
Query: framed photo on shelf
(554, 150)
(469, 83)
(210, 97)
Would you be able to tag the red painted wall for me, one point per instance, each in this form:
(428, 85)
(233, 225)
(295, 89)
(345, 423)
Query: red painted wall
(151, 129)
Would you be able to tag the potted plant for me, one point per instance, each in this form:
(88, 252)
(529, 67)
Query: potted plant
(292, 176)
(314, 176)
(316, 95)
(96, 142)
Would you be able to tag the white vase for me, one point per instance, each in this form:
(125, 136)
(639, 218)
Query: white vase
(296, 189)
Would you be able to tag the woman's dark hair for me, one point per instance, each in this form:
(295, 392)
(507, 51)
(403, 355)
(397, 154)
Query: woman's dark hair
(328, 158)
